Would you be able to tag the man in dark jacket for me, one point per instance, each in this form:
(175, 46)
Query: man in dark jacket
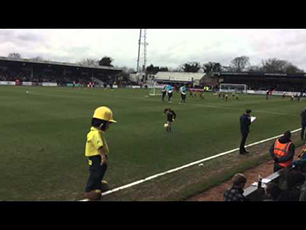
(245, 122)
(303, 116)
(282, 152)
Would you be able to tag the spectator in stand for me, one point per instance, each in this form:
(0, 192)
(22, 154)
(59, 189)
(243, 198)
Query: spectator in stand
(292, 187)
(291, 184)
(303, 123)
(303, 192)
(282, 152)
(235, 193)
(300, 164)
(273, 191)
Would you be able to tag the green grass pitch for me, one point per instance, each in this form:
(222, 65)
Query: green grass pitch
(43, 134)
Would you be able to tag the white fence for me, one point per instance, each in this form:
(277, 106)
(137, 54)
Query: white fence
(7, 83)
(49, 84)
(157, 86)
(276, 93)
(28, 83)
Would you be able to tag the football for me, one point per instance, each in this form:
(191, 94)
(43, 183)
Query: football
(166, 125)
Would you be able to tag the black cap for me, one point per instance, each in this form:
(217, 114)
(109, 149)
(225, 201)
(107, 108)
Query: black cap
(248, 111)
(287, 134)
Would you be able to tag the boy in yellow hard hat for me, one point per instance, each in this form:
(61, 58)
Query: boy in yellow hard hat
(96, 150)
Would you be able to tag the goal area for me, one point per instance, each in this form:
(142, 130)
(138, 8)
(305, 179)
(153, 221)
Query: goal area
(233, 88)
(155, 89)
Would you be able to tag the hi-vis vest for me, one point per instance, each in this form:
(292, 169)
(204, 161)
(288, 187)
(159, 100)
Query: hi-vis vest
(281, 150)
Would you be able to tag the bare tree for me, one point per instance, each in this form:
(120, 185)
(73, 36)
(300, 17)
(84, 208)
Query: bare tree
(240, 63)
(255, 68)
(212, 67)
(88, 62)
(275, 65)
(293, 69)
(14, 56)
(38, 58)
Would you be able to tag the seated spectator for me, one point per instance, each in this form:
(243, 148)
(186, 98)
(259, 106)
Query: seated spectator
(235, 193)
(291, 184)
(272, 191)
(282, 152)
(301, 163)
(303, 192)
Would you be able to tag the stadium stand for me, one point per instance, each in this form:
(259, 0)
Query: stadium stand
(265, 81)
(61, 73)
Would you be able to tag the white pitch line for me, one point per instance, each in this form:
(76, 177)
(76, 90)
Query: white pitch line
(254, 111)
(187, 165)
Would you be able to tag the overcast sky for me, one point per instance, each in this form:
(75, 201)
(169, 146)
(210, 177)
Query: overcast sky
(167, 47)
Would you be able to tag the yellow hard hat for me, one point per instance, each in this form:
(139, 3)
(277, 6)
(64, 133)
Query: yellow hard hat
(104, 113)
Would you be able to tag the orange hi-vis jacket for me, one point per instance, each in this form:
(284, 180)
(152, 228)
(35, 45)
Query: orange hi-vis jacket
(281, 150)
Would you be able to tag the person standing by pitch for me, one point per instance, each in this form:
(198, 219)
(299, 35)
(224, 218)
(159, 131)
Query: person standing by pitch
(303, 123)
(245, 122)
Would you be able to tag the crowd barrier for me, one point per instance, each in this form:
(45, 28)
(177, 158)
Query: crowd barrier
(257, 92)
(7, 83)
(274, 93)
(27, 83)
(253, 193)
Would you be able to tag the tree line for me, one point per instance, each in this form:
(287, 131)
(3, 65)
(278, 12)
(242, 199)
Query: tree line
(238, 64)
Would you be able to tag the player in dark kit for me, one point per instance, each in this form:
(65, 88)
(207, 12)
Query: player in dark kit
(164, 91)
(183, 90)
(303, 123)
(171, 115)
